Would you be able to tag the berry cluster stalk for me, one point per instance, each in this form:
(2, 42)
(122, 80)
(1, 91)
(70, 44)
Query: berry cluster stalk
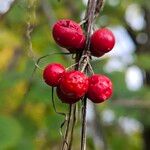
(88, 29)
(82, 59)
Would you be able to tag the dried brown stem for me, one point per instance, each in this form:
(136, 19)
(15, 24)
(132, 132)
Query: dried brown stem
(99, 6)
(65, 141)
(72, 128)
(88, 28)
(93, 9)
(83, 135)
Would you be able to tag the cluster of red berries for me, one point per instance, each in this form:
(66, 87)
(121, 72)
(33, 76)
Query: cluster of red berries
(73, 85)
(69, 34)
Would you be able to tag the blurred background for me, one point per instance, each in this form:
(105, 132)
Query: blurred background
(27, 117)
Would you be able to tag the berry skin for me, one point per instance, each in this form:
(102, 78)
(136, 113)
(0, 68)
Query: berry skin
(68, 34)
(52, 74)
(102, 41)
(73, 85)
(100, 88)
(66, 98)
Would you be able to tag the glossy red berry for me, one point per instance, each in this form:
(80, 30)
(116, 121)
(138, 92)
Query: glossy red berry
(52, 73)
(100, 88)
(65, 98)
(73, 85)
(68, 34)
(102, 41)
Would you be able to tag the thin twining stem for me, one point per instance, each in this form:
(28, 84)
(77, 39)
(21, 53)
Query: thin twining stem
(47, 55)
(60, 113)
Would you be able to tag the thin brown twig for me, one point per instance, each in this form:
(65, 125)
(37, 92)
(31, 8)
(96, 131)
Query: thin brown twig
(83, 135)
(72, 128)
(90, 68)
(70, 67)
(88, 28)
(65, 141)
(84, 66)
(99, 6)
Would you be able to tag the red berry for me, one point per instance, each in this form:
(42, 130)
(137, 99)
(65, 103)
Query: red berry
(102, 41)
(52, 73)
(68, 34)
(100, 88)
(74, 85)
(66, 98)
